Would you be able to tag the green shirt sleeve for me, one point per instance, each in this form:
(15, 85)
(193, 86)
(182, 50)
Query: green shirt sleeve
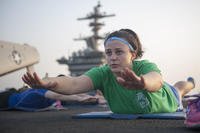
(144, 67)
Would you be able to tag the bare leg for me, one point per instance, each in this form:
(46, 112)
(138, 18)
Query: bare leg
(184, 87)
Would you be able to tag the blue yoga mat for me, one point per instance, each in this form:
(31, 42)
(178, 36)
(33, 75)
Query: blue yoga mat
(110, 115)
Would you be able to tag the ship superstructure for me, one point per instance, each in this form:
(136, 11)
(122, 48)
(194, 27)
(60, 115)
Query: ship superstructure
(83, 60)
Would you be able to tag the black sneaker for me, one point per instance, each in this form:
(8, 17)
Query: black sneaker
(191, 79)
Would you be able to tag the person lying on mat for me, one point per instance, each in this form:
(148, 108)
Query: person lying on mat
(129, 85)
(29, 99)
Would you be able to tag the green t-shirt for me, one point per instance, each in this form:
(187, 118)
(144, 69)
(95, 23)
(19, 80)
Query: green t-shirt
(122, 100)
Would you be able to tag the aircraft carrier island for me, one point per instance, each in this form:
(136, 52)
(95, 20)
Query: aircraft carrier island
(82, 60)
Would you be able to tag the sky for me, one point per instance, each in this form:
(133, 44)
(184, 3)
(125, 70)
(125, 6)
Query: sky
(169, 31)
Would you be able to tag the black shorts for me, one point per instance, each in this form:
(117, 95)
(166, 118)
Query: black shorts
(4, 98)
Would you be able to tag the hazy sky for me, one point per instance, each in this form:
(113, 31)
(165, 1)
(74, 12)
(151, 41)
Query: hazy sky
(169, 31)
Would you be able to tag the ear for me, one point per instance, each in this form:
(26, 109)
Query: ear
(133, 55)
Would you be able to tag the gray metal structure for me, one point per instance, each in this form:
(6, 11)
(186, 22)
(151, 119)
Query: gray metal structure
(83, 60)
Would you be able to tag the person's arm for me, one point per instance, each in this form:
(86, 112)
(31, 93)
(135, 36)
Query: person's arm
(70, 98)
(151, 81)
(64, 84)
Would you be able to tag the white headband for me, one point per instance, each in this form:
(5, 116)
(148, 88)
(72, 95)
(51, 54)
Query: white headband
(121, 40)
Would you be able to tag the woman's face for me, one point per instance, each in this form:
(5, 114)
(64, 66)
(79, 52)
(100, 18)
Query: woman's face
(118, 56)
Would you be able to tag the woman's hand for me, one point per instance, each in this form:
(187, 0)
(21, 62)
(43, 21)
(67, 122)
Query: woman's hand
(34, 81)
(130, 80)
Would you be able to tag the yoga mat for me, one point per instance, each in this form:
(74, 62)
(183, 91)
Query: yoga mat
(110, 115)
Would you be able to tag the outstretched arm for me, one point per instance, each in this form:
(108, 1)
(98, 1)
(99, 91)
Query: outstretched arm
(83, 97)
(151, 81)
(64, 84)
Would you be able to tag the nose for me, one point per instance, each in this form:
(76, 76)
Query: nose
(113, 56)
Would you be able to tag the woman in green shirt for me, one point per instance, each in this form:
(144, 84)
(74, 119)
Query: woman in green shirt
(129, 85)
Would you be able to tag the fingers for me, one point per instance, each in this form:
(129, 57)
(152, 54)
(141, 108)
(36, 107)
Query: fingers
(90, 100)
(32, 80)
(28, 79)
(121, 81)
(124, 75)
(35, 81)
(131, 75)
(130, 80)
(142, 82)
(38, 81)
